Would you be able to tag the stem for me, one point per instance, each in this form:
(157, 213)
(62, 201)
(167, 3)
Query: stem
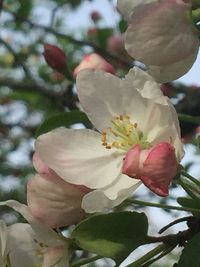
(148, 256)
(85, 261)
(156, 205)
(190, 177)
(184, 219)
(164, 253)
(188, 118)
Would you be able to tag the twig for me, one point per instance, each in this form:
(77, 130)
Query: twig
(175, 222)
(30, 87)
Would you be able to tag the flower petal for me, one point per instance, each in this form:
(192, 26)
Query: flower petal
(167, 73)
(138, 96)
(161, 25)
(3, 239)
(56, 256)
(22, 246)
(146, 85)
(159, 168)
(111, 196)
(53, 201)
(168, 134)
(104, 96)
(94, 61)
(126, 7)
(44, 234)
(78, 157)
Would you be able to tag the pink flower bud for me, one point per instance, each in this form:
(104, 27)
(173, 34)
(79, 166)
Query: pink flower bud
(55, 57)
(94, 61)
(95, 16)
(167, 89)
(115, 45)
(155, 167)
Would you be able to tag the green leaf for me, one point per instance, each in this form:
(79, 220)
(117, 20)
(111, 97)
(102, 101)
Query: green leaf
(65, 119)
(190, 255)
(25, 8)
(113, 235)
(189, 118)
(189, 203)
(103, 35)
(197, 141)
(122, 25)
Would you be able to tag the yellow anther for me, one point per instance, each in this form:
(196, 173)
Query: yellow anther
(123, 134)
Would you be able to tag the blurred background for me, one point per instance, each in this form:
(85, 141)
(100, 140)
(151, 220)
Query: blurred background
(31, 92)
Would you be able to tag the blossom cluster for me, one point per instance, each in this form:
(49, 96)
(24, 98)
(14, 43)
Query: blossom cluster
(135, 137)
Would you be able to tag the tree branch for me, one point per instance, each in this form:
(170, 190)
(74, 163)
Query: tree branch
(30, 87)
(96, 48)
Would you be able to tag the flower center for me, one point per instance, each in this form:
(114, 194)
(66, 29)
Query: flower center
(123, 134)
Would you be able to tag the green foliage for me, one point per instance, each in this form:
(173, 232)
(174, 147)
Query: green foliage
(189, 203)
(103, 35)
(113, 235)
(190, 255)
(25, 8)
(122, 25)
(65, 119)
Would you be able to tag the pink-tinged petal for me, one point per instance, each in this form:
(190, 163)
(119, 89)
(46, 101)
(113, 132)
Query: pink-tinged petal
(111, 196)
(53, 201)
(131, 166)
(156, 169)
(94, 61)
(42, 168)
(127, 7)
(39, 165)
(161, 26)
(170, 72)
(78, 157)
(44, 234)
(56, 256)
(22, 246)
(170, 135)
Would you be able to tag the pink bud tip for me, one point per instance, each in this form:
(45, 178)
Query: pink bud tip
(94, 61)
(155, 167)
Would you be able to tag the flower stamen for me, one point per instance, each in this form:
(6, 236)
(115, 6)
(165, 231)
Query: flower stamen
(123, 135)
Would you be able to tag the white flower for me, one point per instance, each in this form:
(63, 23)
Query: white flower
(126, 112)
(161, 34)
(34, 245)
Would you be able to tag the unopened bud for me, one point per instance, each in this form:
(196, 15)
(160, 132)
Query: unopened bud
(94, 61)
(95, 16)
(55, 57)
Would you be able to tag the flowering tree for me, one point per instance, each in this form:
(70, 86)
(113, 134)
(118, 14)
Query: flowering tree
(103, 126)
